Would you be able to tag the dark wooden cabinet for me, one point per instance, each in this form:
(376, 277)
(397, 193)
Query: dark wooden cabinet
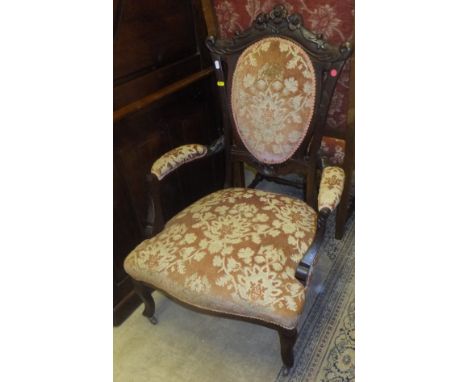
(159, 55)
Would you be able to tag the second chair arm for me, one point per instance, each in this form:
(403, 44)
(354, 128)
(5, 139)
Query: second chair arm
(331, 188)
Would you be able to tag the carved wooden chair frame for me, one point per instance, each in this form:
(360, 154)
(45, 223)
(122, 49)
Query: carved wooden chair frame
(326, 59)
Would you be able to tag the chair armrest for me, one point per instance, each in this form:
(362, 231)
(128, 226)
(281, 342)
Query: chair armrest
(164, 166)
(331, 188)
(175, 158)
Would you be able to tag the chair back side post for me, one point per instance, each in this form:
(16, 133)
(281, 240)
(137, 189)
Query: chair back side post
(220, 82)
(327, 61)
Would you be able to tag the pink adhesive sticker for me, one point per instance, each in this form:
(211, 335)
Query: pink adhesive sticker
(333, 72)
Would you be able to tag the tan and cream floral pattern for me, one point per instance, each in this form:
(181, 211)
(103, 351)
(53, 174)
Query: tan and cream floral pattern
(234, 251)
(177, 157)
(273, 98)
(331, 188)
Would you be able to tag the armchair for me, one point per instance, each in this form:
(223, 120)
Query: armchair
(240, 252)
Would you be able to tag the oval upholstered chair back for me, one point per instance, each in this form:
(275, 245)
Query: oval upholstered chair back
(276, 81)
(273, 98)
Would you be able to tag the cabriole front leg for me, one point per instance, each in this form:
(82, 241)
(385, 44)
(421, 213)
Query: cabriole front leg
(144, 293)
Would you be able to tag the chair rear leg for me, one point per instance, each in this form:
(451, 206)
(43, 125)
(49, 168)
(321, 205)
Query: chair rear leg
(144, 293)
(344, 207)
(287, 341)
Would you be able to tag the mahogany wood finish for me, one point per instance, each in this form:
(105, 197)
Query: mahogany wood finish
(210, 17)
(287, 341)
(163, 97)
(304, 161)
(346, 205)
(159, 94)
(306, 265)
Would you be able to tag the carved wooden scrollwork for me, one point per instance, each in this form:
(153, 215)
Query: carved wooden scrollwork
(279, 22)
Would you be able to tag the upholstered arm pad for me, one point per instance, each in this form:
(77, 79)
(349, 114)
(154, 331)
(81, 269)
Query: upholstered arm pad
(176, 158)
(331, 188)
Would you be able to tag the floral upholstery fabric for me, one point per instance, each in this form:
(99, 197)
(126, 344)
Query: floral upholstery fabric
(273, 98)
(177, 157)
(234, 251)
(331, 188)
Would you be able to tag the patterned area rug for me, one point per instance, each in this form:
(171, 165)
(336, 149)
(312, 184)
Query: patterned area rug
(325, 348)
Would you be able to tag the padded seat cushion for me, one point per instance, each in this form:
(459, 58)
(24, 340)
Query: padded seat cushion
(235, 251)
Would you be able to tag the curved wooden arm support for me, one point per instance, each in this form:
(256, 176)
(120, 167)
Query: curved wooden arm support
(154, 217)
(306, 265)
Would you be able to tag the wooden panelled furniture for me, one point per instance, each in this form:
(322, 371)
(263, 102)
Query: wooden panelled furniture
(164, 96)
(240, 252)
